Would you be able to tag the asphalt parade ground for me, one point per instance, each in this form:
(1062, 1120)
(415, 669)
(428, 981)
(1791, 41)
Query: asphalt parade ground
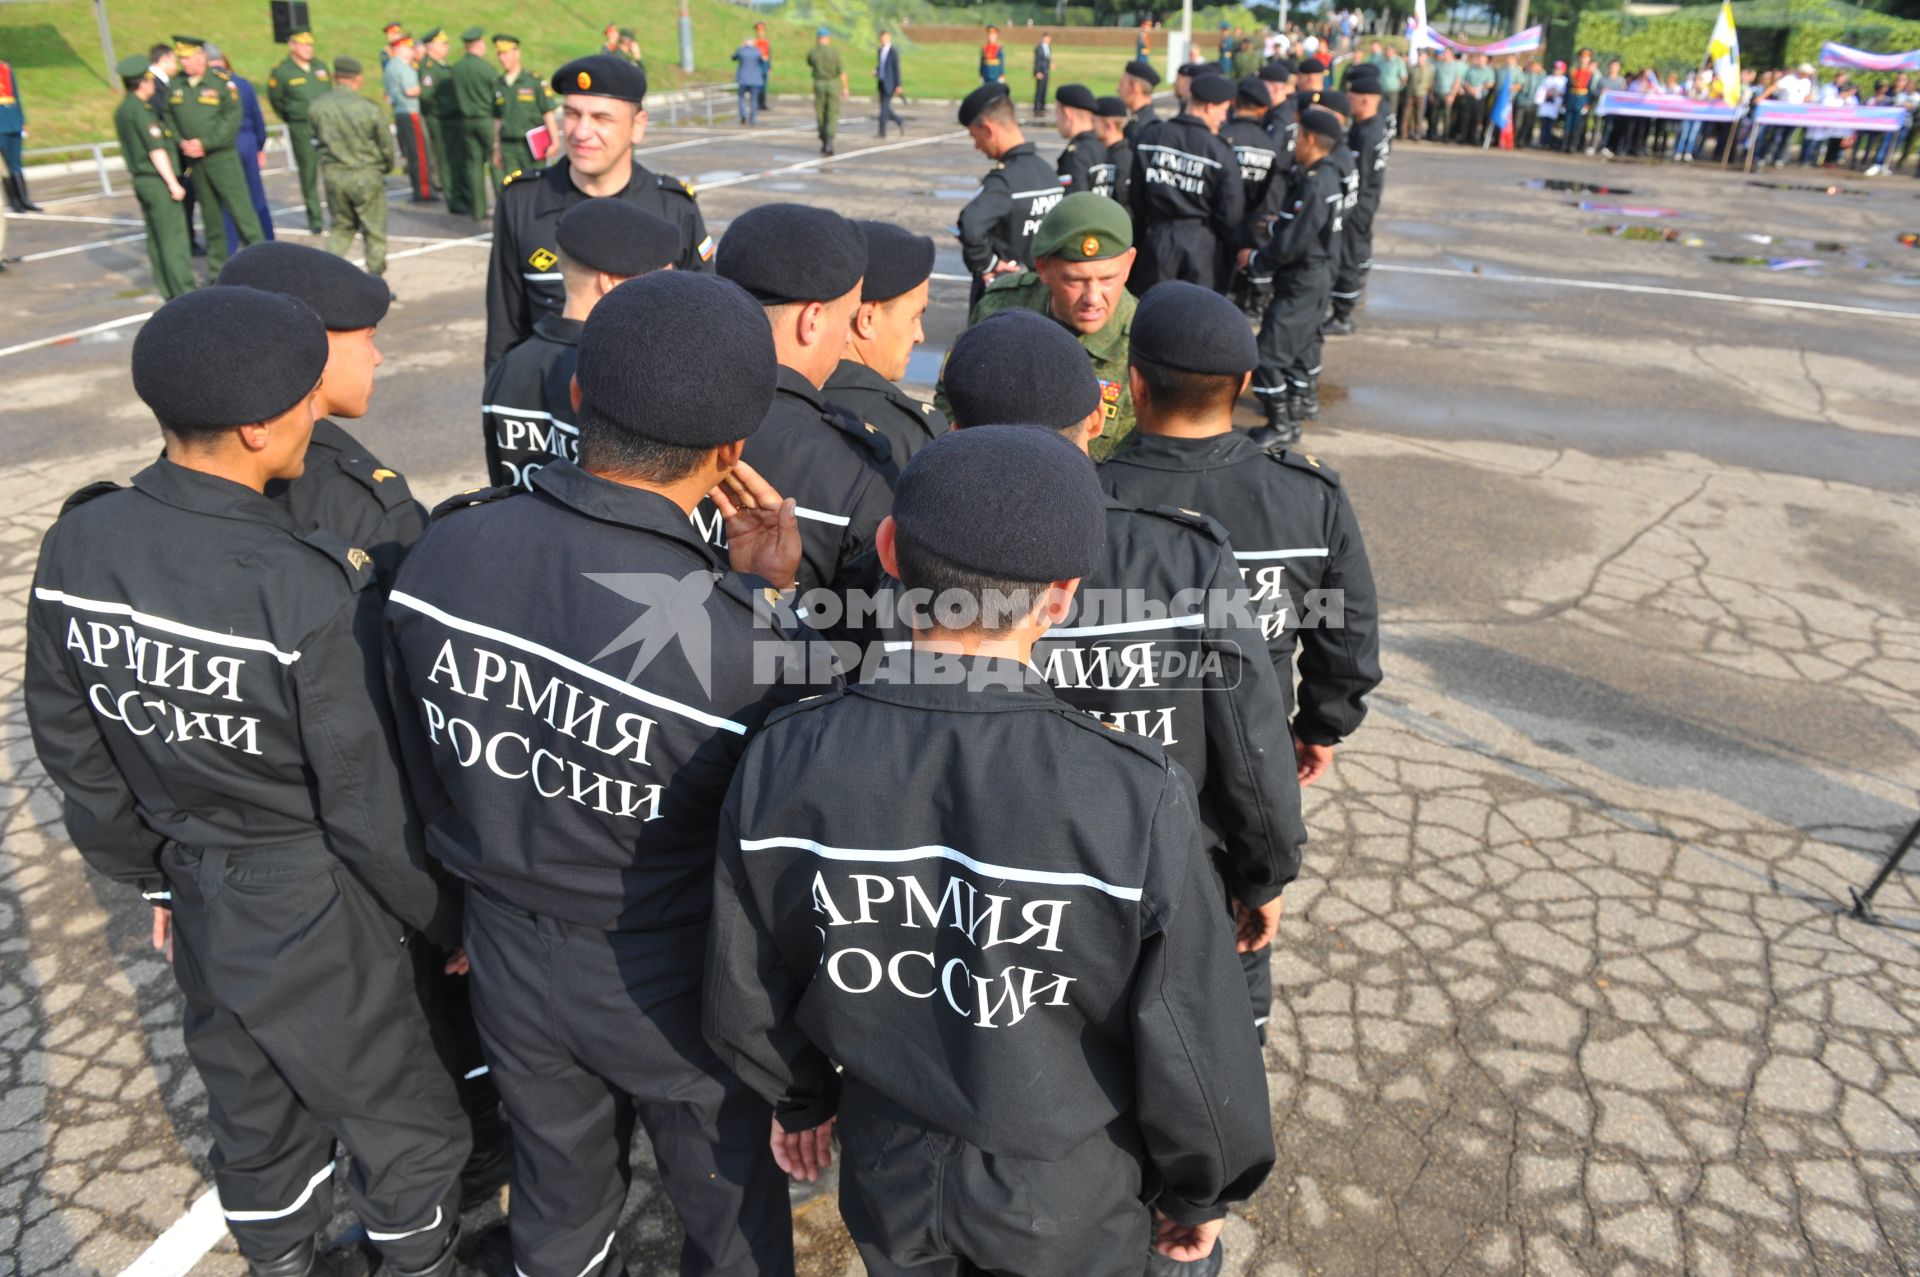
(1568, 985)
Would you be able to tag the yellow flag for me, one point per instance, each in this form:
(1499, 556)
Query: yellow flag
(1723, 50)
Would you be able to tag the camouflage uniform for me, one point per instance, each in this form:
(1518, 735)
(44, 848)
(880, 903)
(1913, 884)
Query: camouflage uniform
(355, 140)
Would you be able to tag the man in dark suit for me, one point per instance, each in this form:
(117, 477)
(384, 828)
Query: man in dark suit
(886, 80)
(1042, 72)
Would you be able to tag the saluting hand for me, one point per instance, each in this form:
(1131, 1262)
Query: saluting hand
(803, 1154)
(763, 533)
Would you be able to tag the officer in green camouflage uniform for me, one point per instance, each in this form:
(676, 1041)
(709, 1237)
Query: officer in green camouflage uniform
(1082, 253)
(521, 103)
(204, 106)
(829, 86)
(356, 154)
(291, 88)
(434, 73)
(153, 162)
(470, 127)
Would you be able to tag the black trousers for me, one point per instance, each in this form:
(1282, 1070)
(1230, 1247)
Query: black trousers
(1356, 259)
(1186, 250)
(587, 1030)
(1290, 332)
(888, 113)
(1040, 96)
(302, 1021)
(920, 1203)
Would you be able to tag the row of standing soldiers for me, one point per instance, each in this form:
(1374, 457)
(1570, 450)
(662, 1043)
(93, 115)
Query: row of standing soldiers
(1264, 188)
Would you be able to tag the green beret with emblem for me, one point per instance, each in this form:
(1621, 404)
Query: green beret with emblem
(1084, 227)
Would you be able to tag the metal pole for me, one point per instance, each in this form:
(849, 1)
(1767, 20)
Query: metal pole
(100, 168)
(686, 38)
(1519, 17)
(1863, 900)
(106, 39)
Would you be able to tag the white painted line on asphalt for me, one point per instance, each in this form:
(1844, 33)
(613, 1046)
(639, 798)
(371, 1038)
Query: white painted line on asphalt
(57, 338)
(81, 248)
(709, 141)
(176, 1251)
(1784, 303)
(75, 217)
(823, 160)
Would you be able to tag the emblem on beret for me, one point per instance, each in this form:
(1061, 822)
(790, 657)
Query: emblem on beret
(1089, 246)
(541, 259)
(383, 474)
(586, 81)
(358, 558)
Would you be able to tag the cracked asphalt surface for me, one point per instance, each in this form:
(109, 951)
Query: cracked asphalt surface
(1568, 985)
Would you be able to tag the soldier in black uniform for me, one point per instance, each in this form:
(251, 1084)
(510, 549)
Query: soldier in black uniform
(602, 116)
(204, 685)
(526, 412)
(1161, 635)
(997, 225)
(1260, 156)
(804, 265)
(1083, 165)
(1109, 122)
(1294, 533)
(344, 489)
(1185, 193)
(1369, 139)
(881, 339)
(571, 719)
(1009, 937)
(1137, 82)
(1282, 117)
(1297, 261)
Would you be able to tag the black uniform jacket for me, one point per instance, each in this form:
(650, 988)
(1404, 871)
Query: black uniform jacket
(1083, 166)
(1010, 929)
(1283, 121)
(840, 474)
(1141, 119)
(1184, 172)
(908, 424)
(523, 278)
(1261, 159)
(999, 222)
(1370, 141)
(570, 718)
(1120, 156)
(203, 671)
(1308, 212)
(1300, 553)
(526, 410)
(346, 491)
(1163, 642)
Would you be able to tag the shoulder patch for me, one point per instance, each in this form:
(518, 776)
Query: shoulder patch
(1190, 518)
(874, 447)
(509, 178)
(1025, 279)
(388, 487)
(354, 562)
(1308, 462)
(87, 494)
(674, 184)
(1102, 730)
(471, 497)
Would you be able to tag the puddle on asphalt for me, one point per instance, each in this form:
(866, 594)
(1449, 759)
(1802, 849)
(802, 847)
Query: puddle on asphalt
(786, 186)
(1627, 210)
(954, 192)
(1561, 184)
(1806, 186)
(717, 175)
(1648, 234)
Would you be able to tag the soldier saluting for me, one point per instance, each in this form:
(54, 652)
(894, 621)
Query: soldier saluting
(998, 224)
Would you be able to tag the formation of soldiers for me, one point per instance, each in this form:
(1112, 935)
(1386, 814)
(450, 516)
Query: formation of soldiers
(1263, 189)
(768, 756)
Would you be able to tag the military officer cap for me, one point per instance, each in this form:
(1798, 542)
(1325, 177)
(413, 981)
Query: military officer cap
(1084, 227)
(677, 357)
(1194, 329)
(1252, 91)
(1009, 502)
(131, 67)
(617, 237)
(185, 44)
(344, 65)
(503, 41)
(976, 102)
(1317, 119)
(1334, 100)
(1020, 367)
(1363, 77)
(302, 36)
(1278, 71)
(1078, 96)
(345, 297)
(1110, 108)
(792, 253)
(898, 261)
(1142, 70)
(221, 357)
(602, 75)
(433, 33)
(1212, 88)
(473, 33)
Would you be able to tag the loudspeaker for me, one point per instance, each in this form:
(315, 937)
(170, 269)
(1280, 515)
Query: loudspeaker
(289, 16)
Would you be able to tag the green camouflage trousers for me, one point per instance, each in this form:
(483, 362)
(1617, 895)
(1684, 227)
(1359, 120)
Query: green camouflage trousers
(357, 197)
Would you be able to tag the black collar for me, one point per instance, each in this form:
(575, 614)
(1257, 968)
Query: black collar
(1025, 148)
(328, 434)
(559, 328)
(792, 383)
(203, 493)
(854, 375)
(962, 684)
(557, 191)
(1165, 452)
(611, 502)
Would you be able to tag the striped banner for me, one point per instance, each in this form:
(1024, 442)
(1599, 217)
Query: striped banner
(1519, 42)
(1839, 55)
(1665, 106)
(1831, 115)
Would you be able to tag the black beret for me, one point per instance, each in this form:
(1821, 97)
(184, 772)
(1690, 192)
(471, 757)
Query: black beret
(1315, 65)
(1110, 109)
(1078, 96)
(1211, 88)
(1194, 70)
(976, 102)
(222, 357)
(1012, 502)
(1317, 119)
(602, 75)
(1194, 329)
(1362, 77)
(898, 261)
(1252, 90)
(617, 237)
(1334, 100)
(345, 297)
(792, 253)
(344, 65)
(1279, 71)
(1141, 70)
(648, 362)
(1020, 366)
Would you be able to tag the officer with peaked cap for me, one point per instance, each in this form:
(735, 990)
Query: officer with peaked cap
(997, 225)
(1135, 88)
(603, 117)
(804, 266)
(885, 330)
(1083, 165)
(203, 106)
(1185, 193)
(526, 412)
(1110, 125)
(1018, 1004)
(1370, 139)
(571, 719)
(204, 685)
(1297, 262)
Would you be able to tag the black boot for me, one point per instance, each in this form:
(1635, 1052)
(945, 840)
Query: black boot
(1281, 431)
(26, 201)
(445, 1264)
(14, 202)
(490, 1165)
(1305, 400)
(297, 1262)
(1338, 326)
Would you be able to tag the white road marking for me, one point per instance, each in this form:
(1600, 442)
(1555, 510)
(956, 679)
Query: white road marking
(823, 160)
(1558, 281)
(82, 248)
(176, 1251)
